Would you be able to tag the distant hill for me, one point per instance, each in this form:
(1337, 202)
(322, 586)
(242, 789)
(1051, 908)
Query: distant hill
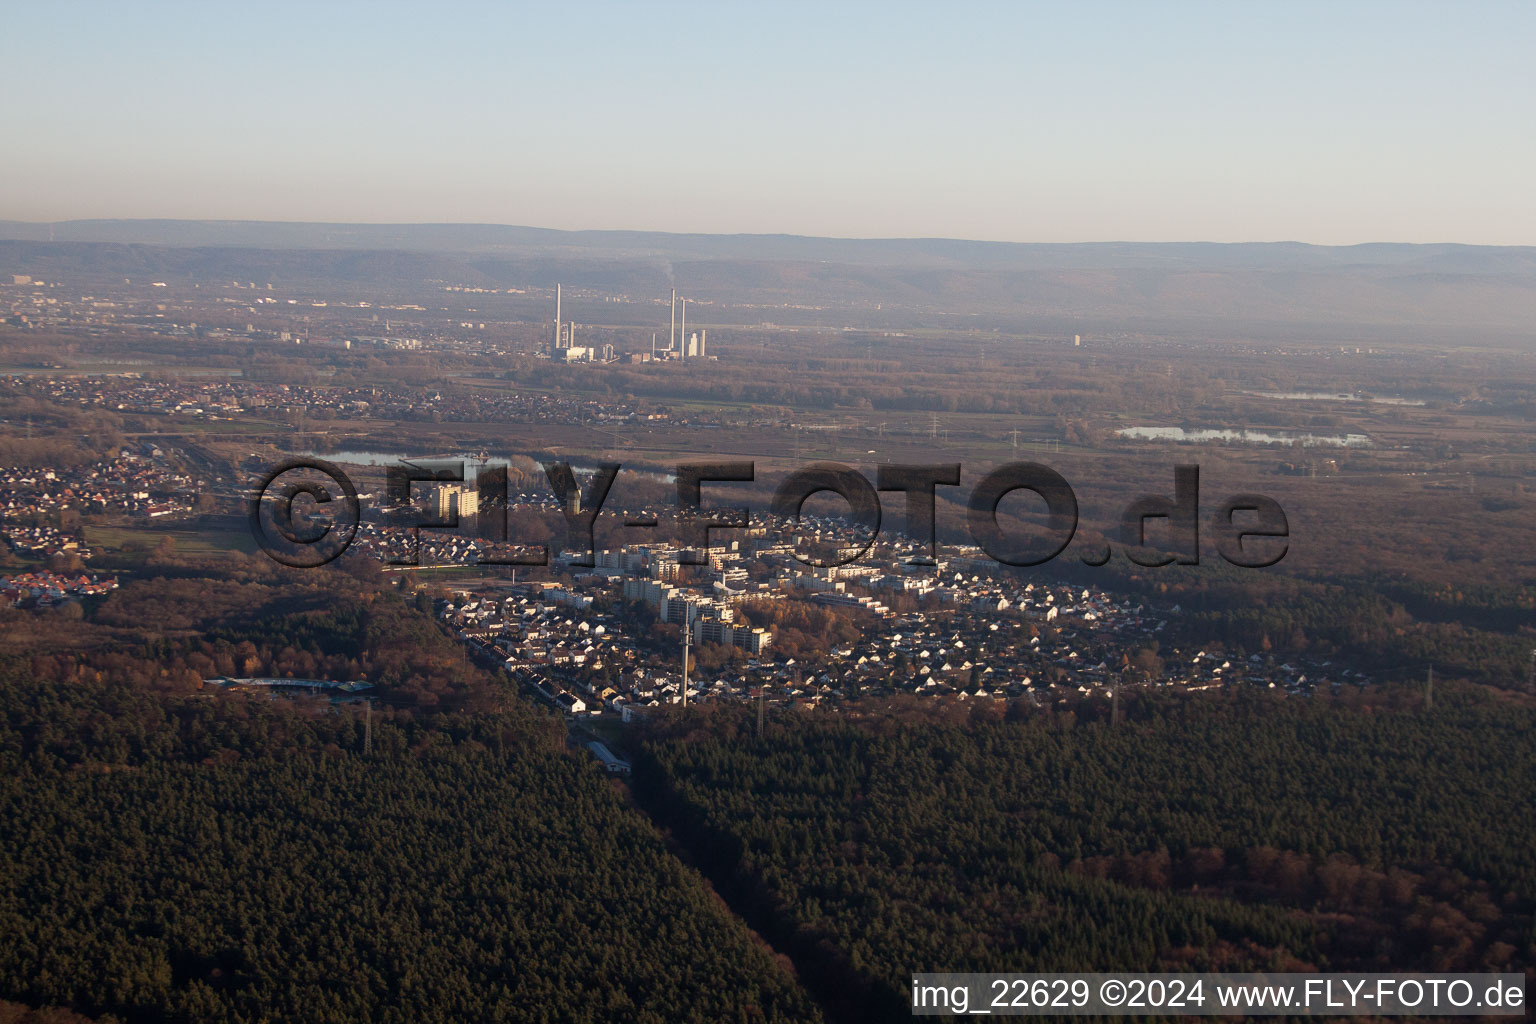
(1451, 286)
(509, 239)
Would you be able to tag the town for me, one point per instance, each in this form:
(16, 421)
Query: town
(596, 640)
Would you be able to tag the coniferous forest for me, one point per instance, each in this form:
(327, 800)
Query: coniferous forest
(1196, 835)
(172, 853)
(195, 859)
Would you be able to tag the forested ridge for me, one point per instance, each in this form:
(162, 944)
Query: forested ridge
(1201, 834)
(224, 859)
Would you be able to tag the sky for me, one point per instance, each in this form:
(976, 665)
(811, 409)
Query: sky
(1332, 123)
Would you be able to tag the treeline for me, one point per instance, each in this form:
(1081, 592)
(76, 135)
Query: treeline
(89, 724)
(1393, 629)
(1201, 834)
(198, 859)
(787, 386)
(1370, 629)
(172, 632)
(16, 1013)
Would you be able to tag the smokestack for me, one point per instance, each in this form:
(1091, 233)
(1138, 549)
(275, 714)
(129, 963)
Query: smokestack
(703, 340)
(557, 316)
(653, 345)
(672, 331)
(685, 329)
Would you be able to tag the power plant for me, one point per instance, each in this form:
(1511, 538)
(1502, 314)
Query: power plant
(563, 346)
(681, 346)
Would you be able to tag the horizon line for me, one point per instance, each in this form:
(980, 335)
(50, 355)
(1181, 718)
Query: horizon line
(235, 221)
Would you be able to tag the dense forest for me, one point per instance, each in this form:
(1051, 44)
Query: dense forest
(225, 859)
(171, 631)
(1197, 834)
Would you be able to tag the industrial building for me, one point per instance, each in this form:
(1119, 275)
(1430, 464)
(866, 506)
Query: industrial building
(681, 346)
(563, 344)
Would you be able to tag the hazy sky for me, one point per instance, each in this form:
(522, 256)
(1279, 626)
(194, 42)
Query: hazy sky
(1331, 123)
